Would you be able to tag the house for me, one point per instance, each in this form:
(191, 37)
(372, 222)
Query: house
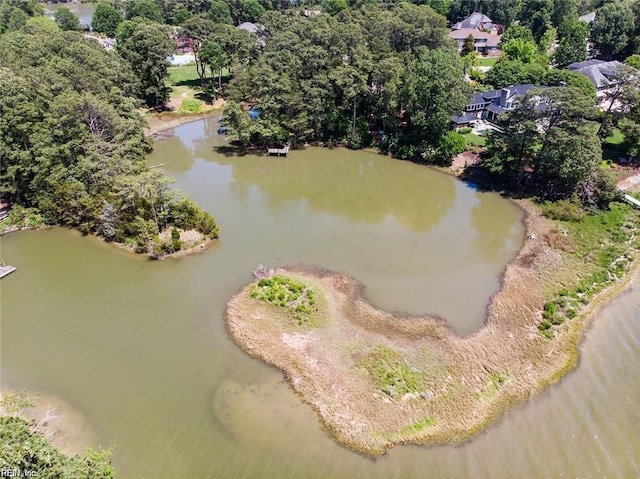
(259, 30)
(601, 73)
(489, 105)
(476, 21)
(486, 34)
(484, 43)
(184, 45)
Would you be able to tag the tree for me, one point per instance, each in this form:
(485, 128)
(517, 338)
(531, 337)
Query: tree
(520, 50)
(611, 29)
(333, 7)
(434, 88)
(220, 12)
(536, 15)
(213, 55)
(468, 46)
(564, 12)
(199, 29)
(251, 10)
(516, 31)
(66, 19)
(568, 157)
(509, 72)
(146, 46)
(555, 148)
(106, 19)
(144, 9)
(573, 46)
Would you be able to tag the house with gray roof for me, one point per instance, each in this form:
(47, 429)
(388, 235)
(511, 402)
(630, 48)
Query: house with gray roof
(489, 105)
(588, 18)
(602, 74)
(476, 21)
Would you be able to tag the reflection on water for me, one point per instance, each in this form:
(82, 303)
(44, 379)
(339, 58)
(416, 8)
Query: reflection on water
(140, 347)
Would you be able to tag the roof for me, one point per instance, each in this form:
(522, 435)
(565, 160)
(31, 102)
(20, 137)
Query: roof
(588, 18)
(464, 118)
(463, 33)
(497, 109)
(491, 94)
(477, 98)
(599, 72)
(518, 90)
(475, 21)
(251, 27)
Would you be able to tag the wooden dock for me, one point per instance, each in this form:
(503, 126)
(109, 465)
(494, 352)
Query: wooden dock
(278, 151)
(5, 270)
(632, 200)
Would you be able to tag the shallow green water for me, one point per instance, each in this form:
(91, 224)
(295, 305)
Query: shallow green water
(140, 348)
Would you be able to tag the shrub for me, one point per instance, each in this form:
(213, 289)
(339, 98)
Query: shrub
(465, 130)
(563, 210)
(191, 106)
(175, 239)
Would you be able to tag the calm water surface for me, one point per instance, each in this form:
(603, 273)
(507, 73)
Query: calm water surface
(140, 348)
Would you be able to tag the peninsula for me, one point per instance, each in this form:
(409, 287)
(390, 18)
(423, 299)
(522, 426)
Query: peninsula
(377, 379)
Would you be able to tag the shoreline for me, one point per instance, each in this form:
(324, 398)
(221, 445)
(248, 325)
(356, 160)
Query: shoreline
(64, 426)
(160, 123)
(471, 381)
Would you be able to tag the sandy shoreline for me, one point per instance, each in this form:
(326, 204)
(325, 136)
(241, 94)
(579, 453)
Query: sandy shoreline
(64, 426)
(465, 384)
(160, 123)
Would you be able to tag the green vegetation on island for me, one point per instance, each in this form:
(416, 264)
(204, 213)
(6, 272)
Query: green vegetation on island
(26, 452)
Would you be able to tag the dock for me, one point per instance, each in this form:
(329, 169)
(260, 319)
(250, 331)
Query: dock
(6, 269)
(632, 200)
(278, 151)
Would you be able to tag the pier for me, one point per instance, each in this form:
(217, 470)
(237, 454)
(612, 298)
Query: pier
(278, 151)
(6, 269)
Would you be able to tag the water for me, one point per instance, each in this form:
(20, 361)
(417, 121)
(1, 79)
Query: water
(139, 347)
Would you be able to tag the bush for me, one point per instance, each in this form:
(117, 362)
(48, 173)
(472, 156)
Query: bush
(563, 210)
(465, 130)
(175, 239)
(550, 310)
(191, 106)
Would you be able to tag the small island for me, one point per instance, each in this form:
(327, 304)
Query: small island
(377, 379)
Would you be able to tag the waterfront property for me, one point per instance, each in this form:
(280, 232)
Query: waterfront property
(489, 105)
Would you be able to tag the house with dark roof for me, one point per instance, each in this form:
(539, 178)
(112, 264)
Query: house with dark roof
(489, 105)
(602, 74)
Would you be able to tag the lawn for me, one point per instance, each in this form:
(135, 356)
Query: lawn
(612, 146)
(184, 75)
(475, 140)
(487, 61)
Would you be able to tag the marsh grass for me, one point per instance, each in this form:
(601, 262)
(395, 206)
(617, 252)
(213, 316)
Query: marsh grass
(391, 373)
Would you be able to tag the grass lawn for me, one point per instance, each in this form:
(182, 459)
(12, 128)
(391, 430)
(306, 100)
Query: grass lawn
(184, 75)
(475, 140)
(487, 61)
(612, 146)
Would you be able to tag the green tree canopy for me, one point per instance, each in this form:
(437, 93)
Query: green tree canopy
(66, 19)
(144, 9)
(520, 50)
(146, 46)
(573, 46)
(106, 19)
(611, 29)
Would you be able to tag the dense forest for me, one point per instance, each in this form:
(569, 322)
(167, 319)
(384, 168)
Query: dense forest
(72, 144)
